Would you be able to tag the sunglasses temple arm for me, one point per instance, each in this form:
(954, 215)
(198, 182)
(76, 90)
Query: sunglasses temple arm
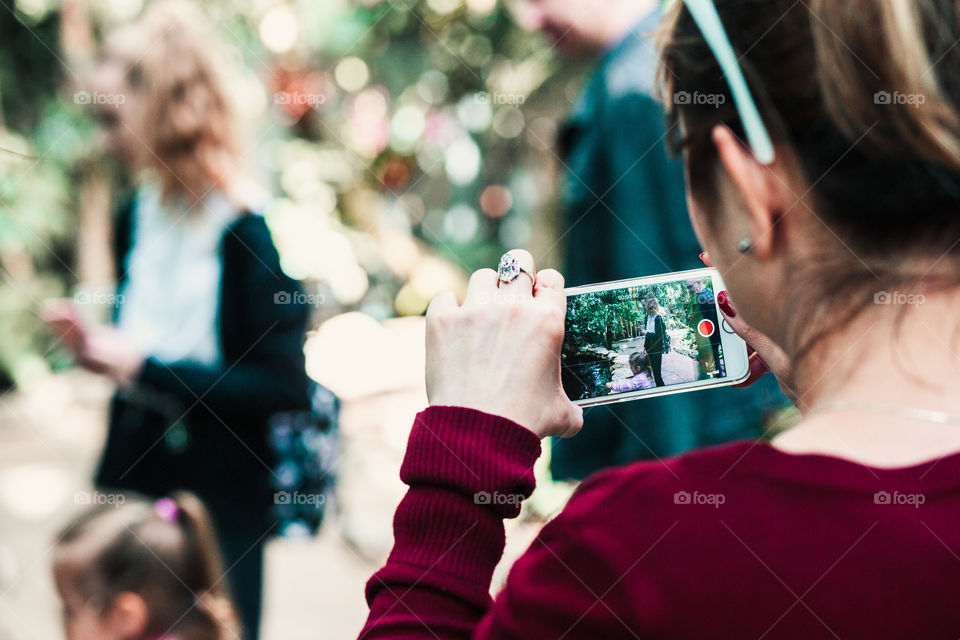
(705, 15)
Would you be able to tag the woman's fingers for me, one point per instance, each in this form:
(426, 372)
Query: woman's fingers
(525, 281)
(443, 302)
(549, 288)
(58, 309)
(549, 280)
(768, 357)
(573, 422)
(482, 287)
(485, 285)
(758, 368)
(63, 319)
(759, 341)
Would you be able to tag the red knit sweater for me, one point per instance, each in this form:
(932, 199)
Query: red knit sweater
(735, 541)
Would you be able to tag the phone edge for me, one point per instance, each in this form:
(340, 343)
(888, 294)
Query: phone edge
(664, 277)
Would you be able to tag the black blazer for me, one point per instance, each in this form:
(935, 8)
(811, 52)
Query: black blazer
(653, 341)
(184, 425)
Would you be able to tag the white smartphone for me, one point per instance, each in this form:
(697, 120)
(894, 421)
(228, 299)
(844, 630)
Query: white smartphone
(646, 337)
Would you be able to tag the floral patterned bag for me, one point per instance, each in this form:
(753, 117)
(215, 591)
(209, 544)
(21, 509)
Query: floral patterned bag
(306, 445)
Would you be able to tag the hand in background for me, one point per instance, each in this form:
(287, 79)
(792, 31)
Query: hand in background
(64, 320)
(108, 351)
(103, 350)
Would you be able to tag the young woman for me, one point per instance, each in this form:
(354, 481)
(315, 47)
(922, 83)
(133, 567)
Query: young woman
(654, 334)
(208, 337)
(846, 526)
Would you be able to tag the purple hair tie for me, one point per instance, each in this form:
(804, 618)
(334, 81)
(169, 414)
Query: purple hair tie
(167, 509)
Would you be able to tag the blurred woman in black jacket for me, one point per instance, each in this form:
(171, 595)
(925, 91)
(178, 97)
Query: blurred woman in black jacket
(208, 335)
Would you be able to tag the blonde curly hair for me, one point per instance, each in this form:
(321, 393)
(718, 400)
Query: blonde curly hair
(188, 130)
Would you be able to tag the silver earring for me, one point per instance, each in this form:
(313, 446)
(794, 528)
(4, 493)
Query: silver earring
(745, 245)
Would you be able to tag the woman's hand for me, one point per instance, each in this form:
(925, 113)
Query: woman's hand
(64, 320)
(499, 352)
(766, 356)
(100, 349)
(108, 351)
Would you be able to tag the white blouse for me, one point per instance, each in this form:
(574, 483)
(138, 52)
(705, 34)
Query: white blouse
(171, 297)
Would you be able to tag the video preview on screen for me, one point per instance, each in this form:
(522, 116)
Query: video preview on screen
(636, 338)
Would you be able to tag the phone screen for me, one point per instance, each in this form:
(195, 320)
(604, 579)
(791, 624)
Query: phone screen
(648, 336)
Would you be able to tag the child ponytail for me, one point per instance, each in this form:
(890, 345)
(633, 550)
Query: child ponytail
(203, 568)
(164, 551)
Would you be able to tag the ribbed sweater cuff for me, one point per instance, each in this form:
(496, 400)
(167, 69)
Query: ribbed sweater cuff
(486, 458)
(467, 470)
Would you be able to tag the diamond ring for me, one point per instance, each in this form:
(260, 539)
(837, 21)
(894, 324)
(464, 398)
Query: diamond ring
(510, 269)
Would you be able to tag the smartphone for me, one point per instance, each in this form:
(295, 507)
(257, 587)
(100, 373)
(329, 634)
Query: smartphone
(646, 337)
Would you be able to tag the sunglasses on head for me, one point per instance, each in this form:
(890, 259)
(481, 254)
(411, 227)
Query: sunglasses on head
(705, 15)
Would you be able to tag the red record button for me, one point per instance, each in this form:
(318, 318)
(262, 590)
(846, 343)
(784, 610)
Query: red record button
(706, 328)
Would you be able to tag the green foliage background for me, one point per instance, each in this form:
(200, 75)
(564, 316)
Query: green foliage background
(604, 317)
(373, 228)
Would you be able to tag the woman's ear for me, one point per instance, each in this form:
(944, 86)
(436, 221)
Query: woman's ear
(129, 616)
(760, 189)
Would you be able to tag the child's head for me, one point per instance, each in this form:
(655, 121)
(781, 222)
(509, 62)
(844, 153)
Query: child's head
(143, 569)
(638, 362)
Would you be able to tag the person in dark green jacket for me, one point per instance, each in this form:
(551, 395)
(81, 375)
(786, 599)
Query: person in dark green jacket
(624, 215)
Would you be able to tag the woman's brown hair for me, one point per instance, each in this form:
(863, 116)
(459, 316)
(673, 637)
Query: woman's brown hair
(189, 133)
(168, 556)
(862, 96)
(864, 93)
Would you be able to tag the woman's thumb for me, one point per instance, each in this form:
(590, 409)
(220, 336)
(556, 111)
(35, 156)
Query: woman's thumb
(573, 418)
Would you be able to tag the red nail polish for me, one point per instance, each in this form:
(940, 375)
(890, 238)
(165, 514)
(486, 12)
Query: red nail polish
(724, 301)
(701, 257)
